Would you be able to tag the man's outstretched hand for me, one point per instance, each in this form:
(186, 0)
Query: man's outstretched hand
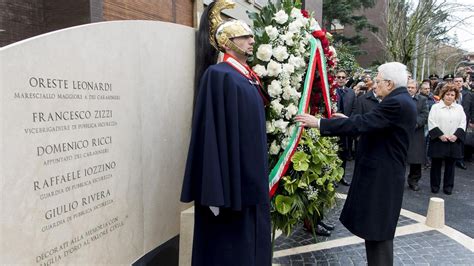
(307, 120)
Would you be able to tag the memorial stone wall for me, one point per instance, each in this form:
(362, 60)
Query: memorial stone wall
(95, 124)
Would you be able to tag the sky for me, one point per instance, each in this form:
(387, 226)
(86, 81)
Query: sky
(464, 33)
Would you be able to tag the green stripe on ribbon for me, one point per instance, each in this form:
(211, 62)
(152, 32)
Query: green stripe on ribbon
(283, 162)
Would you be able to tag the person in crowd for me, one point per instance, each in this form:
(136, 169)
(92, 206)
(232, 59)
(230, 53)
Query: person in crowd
(425, 90)
(367, 101)
(345, 105)
(417, 149)
(374, 200)
(446, 124)
(226, 171)
(465, 100)
(447, 79)
(434, 80)
(359, 89)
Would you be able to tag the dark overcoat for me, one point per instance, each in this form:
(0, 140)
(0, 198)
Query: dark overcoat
(227, 168)
(417, 149)
(347, 105)
(375, 196)
(365, 103)
(467, 105)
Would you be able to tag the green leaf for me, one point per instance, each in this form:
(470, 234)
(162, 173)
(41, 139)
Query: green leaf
(330, 186)
(283, 204)
(302, 184)
(300, 161)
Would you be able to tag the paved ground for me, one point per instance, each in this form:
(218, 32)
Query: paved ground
(414, 244)
(459, 207)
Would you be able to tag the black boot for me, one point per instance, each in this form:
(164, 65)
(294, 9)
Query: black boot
(321, 231)
(328, 226)
(344, 182)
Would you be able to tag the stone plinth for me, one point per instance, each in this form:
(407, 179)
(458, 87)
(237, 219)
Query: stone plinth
(186, 237)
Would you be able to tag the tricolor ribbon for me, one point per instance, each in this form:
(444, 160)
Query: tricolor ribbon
(316, 59)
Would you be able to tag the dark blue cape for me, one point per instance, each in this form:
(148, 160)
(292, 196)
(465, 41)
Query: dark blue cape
(227, 168)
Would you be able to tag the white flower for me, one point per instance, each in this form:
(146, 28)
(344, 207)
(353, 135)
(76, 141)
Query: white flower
(277, 107)
(302, 48)
(296, 13)
(295, 26)
(296, 79)
(280, 53)
(296, 95)
(288, 38)
(274, 148)
(270, 127)
(290, 93)
(296, 61)
(272, 32)
(273, 68)
(314, 25)
(274, 89)
(281, 17)
(281, 125)
(287, 92)
(291, 111)
(304, 21)
(285, 81)
(260, 70)
(288, 68)
(264, 52)
(284, 143)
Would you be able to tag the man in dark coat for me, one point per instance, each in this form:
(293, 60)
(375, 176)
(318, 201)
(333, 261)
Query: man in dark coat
(465, 100)
(416, 152)
(345, 105)
(226, 171)
(366, 102)
(374, 200)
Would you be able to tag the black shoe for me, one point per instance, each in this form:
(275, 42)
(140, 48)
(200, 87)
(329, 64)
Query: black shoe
(414, 187)
(321, 231)
(447, 192)
(328, 226)
(435, 190)
(461, 165)
(345, 182)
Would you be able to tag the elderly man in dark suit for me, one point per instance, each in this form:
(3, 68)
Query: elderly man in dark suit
(374, 200)
(345, 105)
(416, 151)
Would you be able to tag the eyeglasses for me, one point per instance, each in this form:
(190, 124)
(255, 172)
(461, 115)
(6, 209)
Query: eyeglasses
(378, 81)
(340, 77)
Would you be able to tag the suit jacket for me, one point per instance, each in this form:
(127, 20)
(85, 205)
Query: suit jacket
(375, 196)
(467, 104)
(365, 103)
(348, 102)
(417, 149)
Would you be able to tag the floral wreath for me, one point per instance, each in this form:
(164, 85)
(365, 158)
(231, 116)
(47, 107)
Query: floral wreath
(291, 50)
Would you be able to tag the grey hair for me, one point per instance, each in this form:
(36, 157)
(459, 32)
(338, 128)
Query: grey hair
(396, 72)
(412, 81)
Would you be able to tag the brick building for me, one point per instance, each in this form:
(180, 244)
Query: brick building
(373, 50)
(21, 19)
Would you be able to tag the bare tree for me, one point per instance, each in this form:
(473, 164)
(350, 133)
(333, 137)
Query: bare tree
(410, 27)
